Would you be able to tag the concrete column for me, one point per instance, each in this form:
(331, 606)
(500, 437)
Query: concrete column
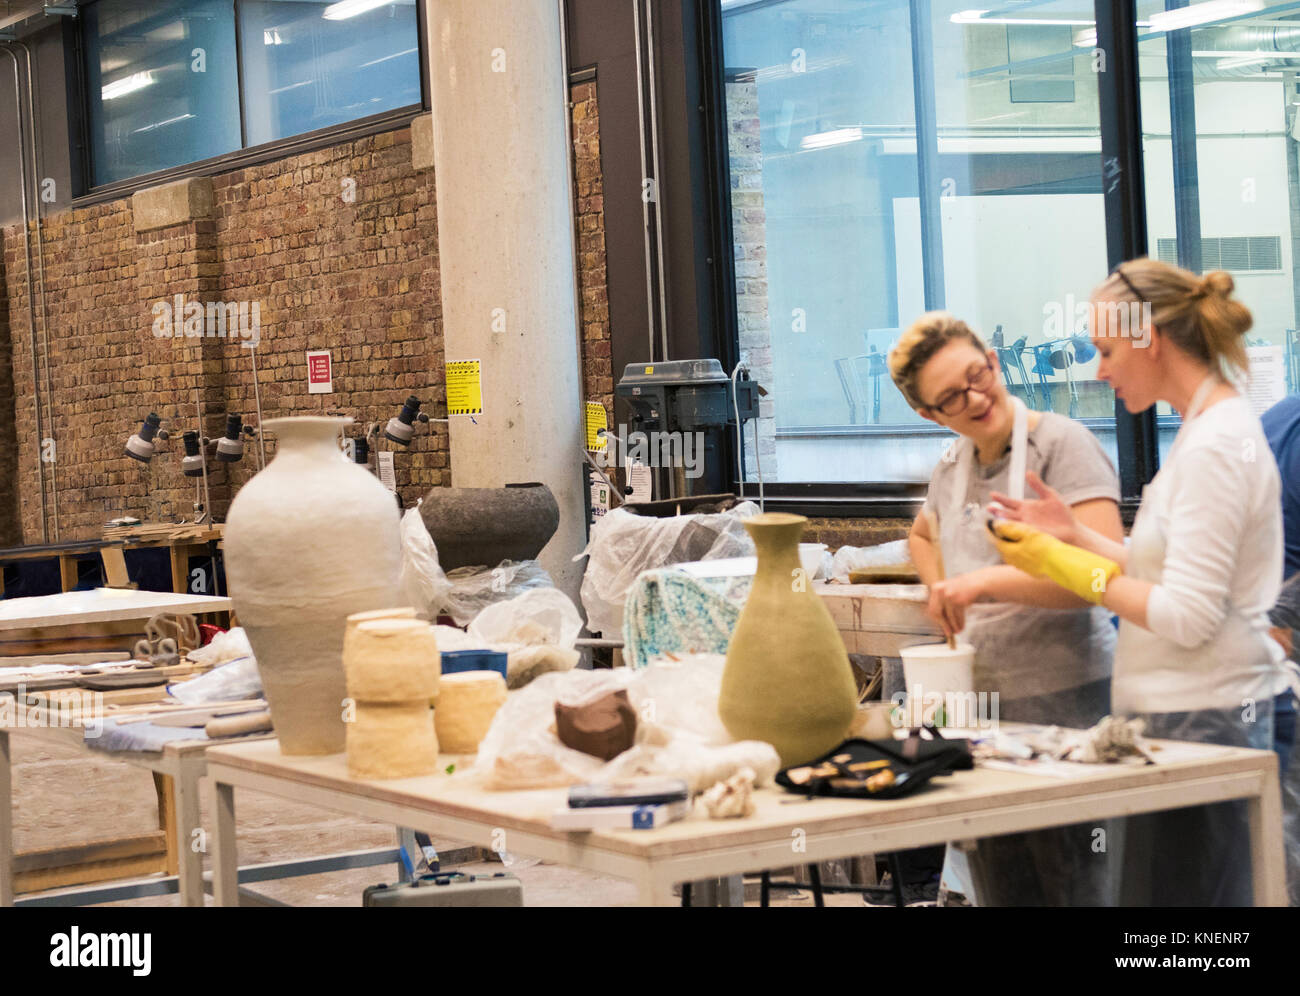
(505, 250)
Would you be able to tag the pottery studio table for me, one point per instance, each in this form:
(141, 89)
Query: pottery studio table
(80, 625)
(103, 619)
(785, 829)
(181, 764)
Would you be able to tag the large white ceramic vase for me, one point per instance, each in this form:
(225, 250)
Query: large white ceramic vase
(309, 540)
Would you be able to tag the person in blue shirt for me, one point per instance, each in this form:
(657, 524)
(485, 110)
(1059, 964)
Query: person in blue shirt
(1281, 425)
(1282, 429)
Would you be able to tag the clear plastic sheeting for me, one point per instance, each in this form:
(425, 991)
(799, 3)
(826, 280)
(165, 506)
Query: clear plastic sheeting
(473, 589)
(423, 582)
(237, 679)
(624, 544)
(859, 558)
(540, 615)
(678, 730)
(227, 646)
(537, 631)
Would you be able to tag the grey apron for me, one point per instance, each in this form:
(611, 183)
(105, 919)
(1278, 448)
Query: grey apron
(1022, 651)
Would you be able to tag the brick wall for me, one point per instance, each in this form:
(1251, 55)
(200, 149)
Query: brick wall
(597, 371)
(10, 533)
(749, 233)
(339, 249)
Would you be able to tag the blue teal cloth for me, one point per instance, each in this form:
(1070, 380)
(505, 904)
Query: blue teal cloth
(140, 736)
(671, 612)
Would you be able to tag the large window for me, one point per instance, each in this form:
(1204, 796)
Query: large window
(162, 82)
(318, 64)
(1219, 102)
(167, 81)
(889, 158)
(892, 156)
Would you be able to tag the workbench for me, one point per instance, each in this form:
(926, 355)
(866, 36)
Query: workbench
(182, 540)
(81, 625)
(166, 861)
(103, 619)
(785, 829)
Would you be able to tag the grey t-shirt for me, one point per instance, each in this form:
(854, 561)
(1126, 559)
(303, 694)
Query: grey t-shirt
(1027, 651)
(1064, 453)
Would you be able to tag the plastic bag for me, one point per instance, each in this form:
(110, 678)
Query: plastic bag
(624, 544)
(540, 615)
(678, 731)
(537, 631)
(227, 646)
(856, 558)
(231, 681)
(473, 589)
(423, 583)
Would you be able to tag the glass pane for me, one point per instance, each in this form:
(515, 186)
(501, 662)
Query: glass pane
(161, 82)
(836, 249)
(1219, 101)
(312, 65)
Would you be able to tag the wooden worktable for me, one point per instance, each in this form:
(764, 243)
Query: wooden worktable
(968, 804)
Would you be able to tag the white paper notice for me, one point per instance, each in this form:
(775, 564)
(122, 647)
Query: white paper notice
(639, 485)
(387, 472)
(1267, 377)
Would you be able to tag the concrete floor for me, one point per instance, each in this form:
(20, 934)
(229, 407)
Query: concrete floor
(61, 797)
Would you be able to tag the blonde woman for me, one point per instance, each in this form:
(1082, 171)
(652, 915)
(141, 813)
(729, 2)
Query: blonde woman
(1044, 651)
(1201, 571)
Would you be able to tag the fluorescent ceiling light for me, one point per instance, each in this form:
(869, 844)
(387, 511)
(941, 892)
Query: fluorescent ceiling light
(1231, 53)
(163, 124)
(291, 86)
(385, 58)
(996, 145)
(128, 84)
(826, 139)
(977, 17)
(1238, 61)
(271, 36)
(1202, 13)
(350, 8)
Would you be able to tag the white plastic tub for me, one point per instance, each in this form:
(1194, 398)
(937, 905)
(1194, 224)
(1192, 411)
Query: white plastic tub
(937, 675)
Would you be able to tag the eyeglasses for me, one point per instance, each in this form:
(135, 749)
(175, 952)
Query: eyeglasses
(955, 402)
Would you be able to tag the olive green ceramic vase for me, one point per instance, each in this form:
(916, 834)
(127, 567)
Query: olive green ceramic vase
(788, 680)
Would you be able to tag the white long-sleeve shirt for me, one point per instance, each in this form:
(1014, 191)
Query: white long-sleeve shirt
(1209, 538)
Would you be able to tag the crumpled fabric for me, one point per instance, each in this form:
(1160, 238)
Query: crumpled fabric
(624, 544)
(671, 612)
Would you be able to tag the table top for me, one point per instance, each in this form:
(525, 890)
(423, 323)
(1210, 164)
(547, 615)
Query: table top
(101, 605)
(778, 812)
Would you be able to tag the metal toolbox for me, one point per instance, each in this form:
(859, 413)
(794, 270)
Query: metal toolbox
(448, 889)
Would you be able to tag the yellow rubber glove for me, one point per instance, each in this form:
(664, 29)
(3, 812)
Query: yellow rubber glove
(1044, 556)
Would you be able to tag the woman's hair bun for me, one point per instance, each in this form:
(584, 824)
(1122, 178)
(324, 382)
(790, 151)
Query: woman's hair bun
(1218, 282)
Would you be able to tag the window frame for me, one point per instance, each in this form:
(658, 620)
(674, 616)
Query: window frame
(246, 155)
(1124, 193)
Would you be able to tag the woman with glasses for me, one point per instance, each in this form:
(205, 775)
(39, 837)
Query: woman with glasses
(1201, 570)
(1045, 651)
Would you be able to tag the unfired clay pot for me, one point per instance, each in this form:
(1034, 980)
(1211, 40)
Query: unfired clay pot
(788, 680)
(484, 526)
(309, 541)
